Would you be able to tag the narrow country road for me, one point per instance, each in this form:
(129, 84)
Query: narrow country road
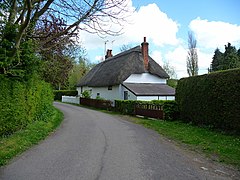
(91, 145)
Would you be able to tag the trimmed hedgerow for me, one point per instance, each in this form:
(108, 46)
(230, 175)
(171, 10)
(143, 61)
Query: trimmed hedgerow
(125, 106)
(211, 100)
(170, 108)
(59, 93)
(22, 102)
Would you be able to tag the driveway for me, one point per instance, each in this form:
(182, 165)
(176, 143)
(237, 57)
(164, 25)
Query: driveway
(91, 145)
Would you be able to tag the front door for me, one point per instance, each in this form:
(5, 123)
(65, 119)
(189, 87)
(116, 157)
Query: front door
(125, 95)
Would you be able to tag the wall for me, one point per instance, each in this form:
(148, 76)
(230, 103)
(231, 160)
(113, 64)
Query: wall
(149, 98)
(71, 99)
(145, 78)
(117, 92)
(103, 92)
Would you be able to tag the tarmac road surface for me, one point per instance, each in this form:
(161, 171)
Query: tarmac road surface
(91, 145)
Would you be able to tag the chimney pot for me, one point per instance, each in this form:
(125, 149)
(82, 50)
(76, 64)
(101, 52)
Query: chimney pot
(108, 54)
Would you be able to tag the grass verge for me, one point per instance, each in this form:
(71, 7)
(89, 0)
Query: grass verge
(216, 145)
(31, 135)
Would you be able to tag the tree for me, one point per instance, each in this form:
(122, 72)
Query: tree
(78, 71)
(169, 70)
(55, 70)
(228, 60)
(217, 61)
(192, 58)
(231, 59)
(21, 18)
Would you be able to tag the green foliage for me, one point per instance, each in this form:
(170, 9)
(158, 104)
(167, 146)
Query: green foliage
(23, 102)
(211, 100)
(21, 62)
(79, 70)
(125, 106)
(217, 61)
(230, 59)
(170, 108)
(86, 94)
(32, 134)
(59, 93)
(172, 82)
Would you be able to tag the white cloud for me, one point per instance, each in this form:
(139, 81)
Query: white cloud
(177, 58)
(151, 22)
(157, 56)
(213, 34)
(148, 21)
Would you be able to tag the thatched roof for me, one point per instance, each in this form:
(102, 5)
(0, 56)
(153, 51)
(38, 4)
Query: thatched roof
(149, 89)
(115, 70)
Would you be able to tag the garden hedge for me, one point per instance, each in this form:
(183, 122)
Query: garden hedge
(170, 108)
(23, 102)
(212, 99)
(59, 93)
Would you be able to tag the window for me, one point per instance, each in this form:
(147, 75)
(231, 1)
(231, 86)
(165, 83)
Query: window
(98, 94)
(109, 87)
(125, 95)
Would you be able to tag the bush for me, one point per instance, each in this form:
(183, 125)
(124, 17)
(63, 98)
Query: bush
(211, 100)
(86, 94)
(125, 106)
(22, 102)
(59, 93)
(170, 108)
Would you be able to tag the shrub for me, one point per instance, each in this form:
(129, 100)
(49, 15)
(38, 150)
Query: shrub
(22, 102)
(125, 106)
(86, 94)
(170, 108)
(211, 100)
(59, 93)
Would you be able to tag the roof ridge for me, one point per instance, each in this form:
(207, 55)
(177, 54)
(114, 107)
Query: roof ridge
(134, 49)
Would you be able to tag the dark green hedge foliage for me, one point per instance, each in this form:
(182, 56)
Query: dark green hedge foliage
(22, 102)
(212, 100)
(59, 93)
(170, 108)
(125, 106)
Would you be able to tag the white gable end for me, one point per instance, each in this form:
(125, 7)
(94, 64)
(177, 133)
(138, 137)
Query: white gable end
(144, 78)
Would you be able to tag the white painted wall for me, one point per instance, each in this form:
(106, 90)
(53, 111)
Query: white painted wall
(71, 99)
(117, 92)
(103, 92)
(145, 78)
(149, 98)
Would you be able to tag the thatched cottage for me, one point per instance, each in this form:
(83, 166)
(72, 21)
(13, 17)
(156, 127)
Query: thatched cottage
(130, 75)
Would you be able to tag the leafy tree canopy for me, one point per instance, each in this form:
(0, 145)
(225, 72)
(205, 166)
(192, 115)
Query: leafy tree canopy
(230, 59)
(49, 24)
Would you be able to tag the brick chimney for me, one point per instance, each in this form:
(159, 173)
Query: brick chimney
(108, 54)
(145, 53)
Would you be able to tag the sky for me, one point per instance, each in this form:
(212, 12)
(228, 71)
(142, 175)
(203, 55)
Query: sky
(165, 24)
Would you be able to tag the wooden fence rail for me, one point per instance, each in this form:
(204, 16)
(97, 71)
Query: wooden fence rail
(149, 110)
(146, 110)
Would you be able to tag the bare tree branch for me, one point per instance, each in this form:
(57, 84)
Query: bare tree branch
(192, 58)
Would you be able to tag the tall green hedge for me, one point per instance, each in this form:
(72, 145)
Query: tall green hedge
(59, 93)
(22, 102)
(212, 99)
(170, 108)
